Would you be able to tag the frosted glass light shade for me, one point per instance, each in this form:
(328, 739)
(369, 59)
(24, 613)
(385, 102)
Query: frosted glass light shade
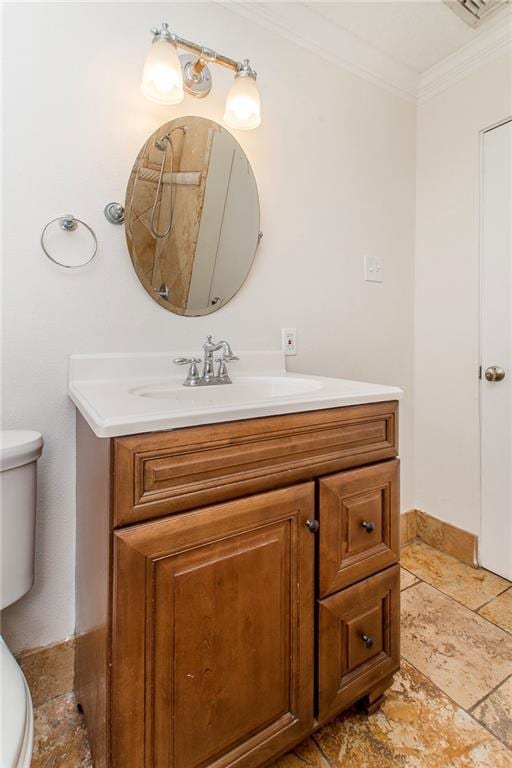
(243, 107)
(162, 80)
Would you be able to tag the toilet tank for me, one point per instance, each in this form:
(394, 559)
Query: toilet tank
(19, 451)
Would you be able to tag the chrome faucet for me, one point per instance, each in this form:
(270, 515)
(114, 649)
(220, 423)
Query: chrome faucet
(208, 377)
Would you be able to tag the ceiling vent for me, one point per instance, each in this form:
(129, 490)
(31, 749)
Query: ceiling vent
(473, 12)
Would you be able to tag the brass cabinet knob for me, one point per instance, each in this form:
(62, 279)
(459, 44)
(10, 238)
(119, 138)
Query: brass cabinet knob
(494, 373)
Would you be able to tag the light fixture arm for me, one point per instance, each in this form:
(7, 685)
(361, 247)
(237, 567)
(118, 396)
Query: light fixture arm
(205, 55)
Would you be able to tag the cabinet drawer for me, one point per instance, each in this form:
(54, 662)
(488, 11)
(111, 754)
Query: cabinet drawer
(167, 472)
(358, 640)
(359, 524)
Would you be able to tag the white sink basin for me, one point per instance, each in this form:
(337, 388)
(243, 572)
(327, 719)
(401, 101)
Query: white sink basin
(243, 389)
(127, 394)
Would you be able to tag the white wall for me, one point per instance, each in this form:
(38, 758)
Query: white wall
(447, 472)
(334, 160)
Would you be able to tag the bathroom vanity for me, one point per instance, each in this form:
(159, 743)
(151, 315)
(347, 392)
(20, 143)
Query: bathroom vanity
(237, 581)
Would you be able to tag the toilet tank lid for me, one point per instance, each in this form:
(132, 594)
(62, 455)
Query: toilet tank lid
(18, 447)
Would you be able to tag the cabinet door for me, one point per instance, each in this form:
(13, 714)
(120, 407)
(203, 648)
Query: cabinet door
(359, 522)
(358, 640)
(213, 634)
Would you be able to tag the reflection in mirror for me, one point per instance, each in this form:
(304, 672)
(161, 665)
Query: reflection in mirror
(192, 216)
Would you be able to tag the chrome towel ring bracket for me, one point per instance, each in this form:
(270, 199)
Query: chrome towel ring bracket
(68, 224)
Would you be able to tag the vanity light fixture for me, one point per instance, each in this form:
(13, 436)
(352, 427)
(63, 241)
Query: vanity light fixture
(167, 76)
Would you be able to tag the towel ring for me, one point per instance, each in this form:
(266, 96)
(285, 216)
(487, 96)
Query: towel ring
(69, 223)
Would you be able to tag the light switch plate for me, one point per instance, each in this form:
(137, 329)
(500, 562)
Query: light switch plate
(373, 269)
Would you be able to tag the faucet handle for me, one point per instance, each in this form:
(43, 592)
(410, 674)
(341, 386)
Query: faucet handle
(186, 360)
(193, 373)
(222, 370)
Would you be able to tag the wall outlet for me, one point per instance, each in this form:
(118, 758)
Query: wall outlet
(289, 341)
(373, 269)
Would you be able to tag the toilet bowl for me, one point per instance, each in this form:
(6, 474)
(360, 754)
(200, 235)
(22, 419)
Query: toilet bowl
(16, 713)
(19, 451)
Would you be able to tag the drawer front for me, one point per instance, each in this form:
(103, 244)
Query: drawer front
(359, 524)
(358, 641)
(167, 472)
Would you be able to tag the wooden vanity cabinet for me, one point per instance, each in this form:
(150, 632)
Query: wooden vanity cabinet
(216, 626)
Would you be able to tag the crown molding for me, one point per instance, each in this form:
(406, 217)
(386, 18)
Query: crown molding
(310, 30)
(494, 40)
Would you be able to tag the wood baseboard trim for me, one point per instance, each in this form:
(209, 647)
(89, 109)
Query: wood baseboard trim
(49, 670)
(448, 538)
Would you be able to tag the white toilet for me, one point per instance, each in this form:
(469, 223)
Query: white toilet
(19, 451)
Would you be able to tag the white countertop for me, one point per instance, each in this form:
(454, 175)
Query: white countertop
(126, 394)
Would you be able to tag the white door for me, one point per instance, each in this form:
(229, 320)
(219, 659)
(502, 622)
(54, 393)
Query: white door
(496, 351)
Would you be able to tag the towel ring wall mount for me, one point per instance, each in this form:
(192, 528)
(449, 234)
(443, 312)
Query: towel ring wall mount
(114, 213)
(68, 223)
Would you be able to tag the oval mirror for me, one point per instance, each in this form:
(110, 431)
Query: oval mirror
(192, 216)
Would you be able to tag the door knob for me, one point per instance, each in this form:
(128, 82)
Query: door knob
(313, 525)
(368, 641)
(494, 373)
(368, 526)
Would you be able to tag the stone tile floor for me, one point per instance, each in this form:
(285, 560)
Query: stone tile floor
(450, 705)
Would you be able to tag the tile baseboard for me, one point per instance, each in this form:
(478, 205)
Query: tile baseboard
(408, 527)
(416, 524)
(49, 670)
